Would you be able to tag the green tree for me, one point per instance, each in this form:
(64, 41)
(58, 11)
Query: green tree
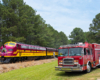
(64, 38)
(10, 20)
(77, 35)
(88, 37)
(95, 29)
(19, 22)
(69, 41)
(0, 23)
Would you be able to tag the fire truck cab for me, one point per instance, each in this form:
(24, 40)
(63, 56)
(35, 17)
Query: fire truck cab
(78, 57)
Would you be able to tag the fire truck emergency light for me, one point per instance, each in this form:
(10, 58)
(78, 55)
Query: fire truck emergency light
(73, 45)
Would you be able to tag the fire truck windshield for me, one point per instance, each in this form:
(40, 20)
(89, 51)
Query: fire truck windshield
(75, 51)
(63, 52)
(72, 52)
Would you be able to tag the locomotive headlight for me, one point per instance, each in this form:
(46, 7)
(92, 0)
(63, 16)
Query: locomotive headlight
(75, 61)
(60, 62)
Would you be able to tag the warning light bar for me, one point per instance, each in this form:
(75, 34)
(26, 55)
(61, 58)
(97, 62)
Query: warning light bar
(73, 45)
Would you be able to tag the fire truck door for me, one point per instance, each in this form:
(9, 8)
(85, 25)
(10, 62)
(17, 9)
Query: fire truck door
(85, 57)
(89, 54)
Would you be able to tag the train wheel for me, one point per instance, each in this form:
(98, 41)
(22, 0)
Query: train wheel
(14, 60)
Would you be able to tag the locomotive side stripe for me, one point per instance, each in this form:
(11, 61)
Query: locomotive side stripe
(43, 53)
(50, 53)
(22, 53)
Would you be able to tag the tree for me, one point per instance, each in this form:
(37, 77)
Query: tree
(10, 20)
(69, 41)
(63, 38)
(77, 35)
(95, 29)
(0, 23)
(19, 22)
(88, 37)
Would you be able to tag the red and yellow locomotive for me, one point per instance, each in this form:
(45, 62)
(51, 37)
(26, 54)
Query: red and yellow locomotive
(13, 51)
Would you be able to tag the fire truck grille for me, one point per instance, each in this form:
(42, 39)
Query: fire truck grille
(68, 61)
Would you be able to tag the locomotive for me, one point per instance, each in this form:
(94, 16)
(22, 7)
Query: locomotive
(14, 51)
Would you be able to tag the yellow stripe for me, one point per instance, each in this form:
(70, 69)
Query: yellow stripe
(21, 53)
(50, 53)
(42, 53)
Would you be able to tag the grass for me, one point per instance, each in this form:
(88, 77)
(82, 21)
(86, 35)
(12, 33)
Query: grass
(47, 72)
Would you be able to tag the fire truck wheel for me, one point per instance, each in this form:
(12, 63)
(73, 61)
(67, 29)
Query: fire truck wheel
(88, 68)
(98, 66)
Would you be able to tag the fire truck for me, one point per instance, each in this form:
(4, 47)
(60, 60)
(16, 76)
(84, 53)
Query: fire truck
(78, 57)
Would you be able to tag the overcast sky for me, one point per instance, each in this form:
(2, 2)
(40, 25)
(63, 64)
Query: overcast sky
(65, 15)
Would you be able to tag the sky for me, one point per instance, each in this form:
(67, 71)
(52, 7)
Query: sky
(65, 15)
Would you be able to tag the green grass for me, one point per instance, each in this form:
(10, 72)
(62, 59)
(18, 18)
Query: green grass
(47, 72)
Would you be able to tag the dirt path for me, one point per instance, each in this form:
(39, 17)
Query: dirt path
(18, 65)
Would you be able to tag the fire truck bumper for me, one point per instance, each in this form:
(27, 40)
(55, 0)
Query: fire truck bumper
(68, 69)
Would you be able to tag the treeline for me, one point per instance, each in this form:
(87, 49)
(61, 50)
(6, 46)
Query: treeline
(19, 22)
(92, 36)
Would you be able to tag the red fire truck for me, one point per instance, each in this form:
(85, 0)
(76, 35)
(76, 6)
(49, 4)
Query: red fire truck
(78, 57)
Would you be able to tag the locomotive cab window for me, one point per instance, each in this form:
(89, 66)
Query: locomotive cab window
(12, 44)
(6, 43)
